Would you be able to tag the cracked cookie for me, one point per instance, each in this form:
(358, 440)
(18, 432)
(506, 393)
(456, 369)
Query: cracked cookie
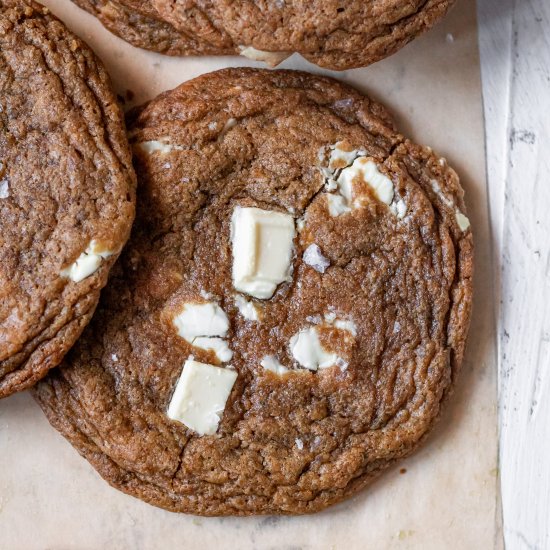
(290, 314)
(66, 190)
(330, 33)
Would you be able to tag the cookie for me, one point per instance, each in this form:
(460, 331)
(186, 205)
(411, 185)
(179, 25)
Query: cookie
(290, 313)
(330, 34)
(67, 190)
(139, 24)
(333, 34)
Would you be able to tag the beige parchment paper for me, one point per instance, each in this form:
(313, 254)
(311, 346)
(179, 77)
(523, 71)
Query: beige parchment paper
(51, 498)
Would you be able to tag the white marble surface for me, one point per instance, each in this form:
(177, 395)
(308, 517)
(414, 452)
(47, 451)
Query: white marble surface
(51, 498)
(515, 52)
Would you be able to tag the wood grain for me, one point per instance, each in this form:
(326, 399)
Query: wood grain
(515, 55)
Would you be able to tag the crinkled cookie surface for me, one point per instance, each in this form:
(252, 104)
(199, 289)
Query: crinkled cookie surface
(338, 374)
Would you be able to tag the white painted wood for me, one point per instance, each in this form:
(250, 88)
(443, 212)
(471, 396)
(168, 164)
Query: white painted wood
(515, 55)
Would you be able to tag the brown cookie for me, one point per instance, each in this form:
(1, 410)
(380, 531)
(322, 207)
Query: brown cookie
(291, 311)
(138, 23)
(66, 190)
(331, 33)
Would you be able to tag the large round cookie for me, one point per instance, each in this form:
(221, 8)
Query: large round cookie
(331, 33)
(66, 190)
(190, 393)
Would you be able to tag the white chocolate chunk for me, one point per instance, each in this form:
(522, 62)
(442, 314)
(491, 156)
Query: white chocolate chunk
(366, 170)
(271, 363)
(217, 345)
(201, 324)
(345, 184)
(330, 184)
(337, 205)
(306, 348)
(347, 325)
(346, 168)
(196, 319)
(299, 443)
(341, 324)
(462, 220)
(340, 158)
(262, 244)
(200, 396)
(270, 58)
(4, 189)
(314, 258)
(399, 208)
(308, 351)
(247, 309)
(161, 146)
(87, 263)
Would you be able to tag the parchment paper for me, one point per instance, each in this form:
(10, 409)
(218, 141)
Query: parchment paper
(50, 498)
